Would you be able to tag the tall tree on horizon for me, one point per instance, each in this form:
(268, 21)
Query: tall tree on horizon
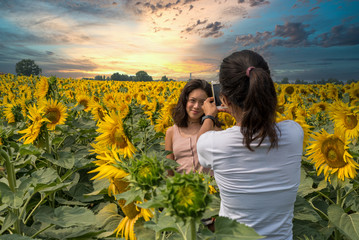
(27, 67)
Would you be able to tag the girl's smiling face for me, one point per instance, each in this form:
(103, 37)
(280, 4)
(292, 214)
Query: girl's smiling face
(194, 104)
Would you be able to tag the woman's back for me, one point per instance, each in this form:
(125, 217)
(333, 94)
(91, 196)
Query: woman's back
(257, 188)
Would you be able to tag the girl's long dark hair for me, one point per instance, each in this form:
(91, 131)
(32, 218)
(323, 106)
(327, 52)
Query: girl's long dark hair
(255, 95)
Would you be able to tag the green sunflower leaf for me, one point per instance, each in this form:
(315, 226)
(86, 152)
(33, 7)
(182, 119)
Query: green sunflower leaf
(304, 211)
(66, 216)
(348, 224)
(228, 229)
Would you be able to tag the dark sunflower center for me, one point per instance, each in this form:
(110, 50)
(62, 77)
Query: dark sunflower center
(289, 90)
(294, 113)
(53, 114)
(350, 121)
(333, 150)
(280, 109)
(100, 114)
(322, 107)
(84, 103)
(119, 139)
(304, 91)
(356, 93)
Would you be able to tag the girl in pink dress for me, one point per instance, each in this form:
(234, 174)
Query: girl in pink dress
(181, 138)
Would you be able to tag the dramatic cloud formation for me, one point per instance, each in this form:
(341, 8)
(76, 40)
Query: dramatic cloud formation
(85, 38)
(296, 35)
(341, 35)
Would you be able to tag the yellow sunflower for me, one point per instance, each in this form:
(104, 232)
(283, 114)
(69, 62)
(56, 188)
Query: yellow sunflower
(289, 89)
(113, 135)
(353, 92)
(98, 111)
(123, 109)
(8, 112)
(55, 112)
(346, 119)
(127, 97)
(106, 169)
(142, 98)
(319, 107)
(105, 166)
(32, 132)
(227, 119)
(42, 87)
(131, 211)
(332, 91)
(291, 110)
(109, 97)
(281, 103)
(84, 100)
(329, 154)
(163, 122)
(150, 109)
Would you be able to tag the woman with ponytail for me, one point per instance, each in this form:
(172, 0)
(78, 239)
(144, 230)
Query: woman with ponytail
(256, 163)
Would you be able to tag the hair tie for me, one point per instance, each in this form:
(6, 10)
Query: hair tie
(249, 71)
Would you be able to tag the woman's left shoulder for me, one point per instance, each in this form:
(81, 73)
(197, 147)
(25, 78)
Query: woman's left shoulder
(290, 125)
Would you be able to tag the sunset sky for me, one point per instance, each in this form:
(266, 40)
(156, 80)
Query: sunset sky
(303, 39)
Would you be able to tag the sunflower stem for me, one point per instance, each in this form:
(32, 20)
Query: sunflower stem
(9, 169)
(317, 209)
(158, 233)
(330, 200)
(47, 141)
(41, 230)
(193, 229)
(11, 177)
(339, 196)
(33, 209)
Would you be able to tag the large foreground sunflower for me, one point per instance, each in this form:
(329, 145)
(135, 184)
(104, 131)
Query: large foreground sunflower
(55, 112)
(113, 135)
(329, 154)
(131, 211)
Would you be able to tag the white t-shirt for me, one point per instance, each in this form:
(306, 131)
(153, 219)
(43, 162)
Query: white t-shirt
(256, 188)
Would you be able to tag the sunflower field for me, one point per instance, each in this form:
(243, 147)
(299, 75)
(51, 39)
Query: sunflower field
(85, 159)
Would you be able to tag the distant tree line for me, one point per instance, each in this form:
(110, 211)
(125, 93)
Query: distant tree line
(140, 76)
(322, 81)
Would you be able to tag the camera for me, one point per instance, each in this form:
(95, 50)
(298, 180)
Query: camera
(216, 90)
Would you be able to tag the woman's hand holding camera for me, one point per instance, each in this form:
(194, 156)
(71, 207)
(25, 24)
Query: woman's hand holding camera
(209, 107)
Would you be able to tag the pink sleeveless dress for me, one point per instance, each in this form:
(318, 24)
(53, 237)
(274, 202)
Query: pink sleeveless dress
(185, 152)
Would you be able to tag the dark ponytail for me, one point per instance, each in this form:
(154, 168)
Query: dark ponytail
(255, 94)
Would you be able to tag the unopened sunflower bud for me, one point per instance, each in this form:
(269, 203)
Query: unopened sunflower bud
(187, 196)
